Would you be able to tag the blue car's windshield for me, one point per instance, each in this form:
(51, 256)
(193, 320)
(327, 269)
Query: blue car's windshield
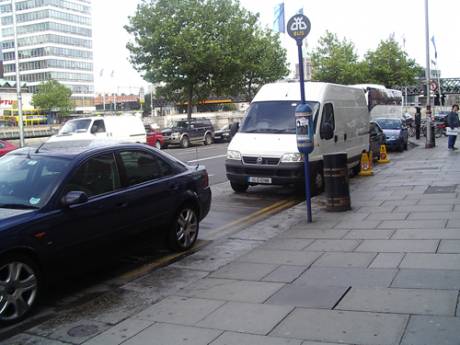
(27, 182)
(273, 117)
(389, 123)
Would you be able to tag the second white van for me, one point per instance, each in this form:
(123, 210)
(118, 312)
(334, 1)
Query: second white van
(126, 128)
(264, 151)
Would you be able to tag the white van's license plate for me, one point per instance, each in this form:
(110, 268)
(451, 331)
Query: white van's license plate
(266, 180)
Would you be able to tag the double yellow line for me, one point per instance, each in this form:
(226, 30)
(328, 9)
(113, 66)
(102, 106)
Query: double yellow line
(251, 219)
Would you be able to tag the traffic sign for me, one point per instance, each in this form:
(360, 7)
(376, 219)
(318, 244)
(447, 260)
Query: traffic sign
(298, 27)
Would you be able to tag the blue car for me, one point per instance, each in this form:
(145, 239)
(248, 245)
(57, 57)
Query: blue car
(64, 200)
(396, 133)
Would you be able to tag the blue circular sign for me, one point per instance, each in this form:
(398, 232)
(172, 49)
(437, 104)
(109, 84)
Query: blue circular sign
(298, 27)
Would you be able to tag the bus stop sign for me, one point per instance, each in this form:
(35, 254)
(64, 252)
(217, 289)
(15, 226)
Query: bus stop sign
(298, 27)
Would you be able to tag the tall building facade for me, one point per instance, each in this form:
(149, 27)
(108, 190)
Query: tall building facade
(54, 42)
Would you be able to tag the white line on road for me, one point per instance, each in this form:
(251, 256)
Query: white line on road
(207, 158)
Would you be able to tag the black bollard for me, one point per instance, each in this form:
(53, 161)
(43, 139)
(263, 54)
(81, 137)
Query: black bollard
(336, 182)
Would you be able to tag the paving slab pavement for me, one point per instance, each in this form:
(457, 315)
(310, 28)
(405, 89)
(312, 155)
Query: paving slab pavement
(386, 272)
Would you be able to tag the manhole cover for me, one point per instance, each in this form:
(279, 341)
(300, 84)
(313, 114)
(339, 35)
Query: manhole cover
(83, 331)
(440, 189)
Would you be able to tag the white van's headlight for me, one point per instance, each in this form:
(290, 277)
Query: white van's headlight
(236, 155)
(292, 157)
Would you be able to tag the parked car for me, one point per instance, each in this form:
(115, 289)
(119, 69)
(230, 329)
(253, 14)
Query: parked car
(376, 139)
(6, 147)
(396, 133)
(64, 201)
(184, 133)
(223, 134)
(127, 128)
(154, 138)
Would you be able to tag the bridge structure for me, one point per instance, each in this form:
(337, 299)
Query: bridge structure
(449, 86)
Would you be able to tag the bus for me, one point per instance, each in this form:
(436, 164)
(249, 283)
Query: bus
(31, 117)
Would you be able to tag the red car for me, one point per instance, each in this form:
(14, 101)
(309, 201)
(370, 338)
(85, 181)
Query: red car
(6, 147)
(154, 138)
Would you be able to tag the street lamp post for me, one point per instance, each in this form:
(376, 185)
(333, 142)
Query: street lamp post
(18, 77)
(429, 133)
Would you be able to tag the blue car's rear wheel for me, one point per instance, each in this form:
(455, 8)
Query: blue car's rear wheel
(184, 231)
(19, 288)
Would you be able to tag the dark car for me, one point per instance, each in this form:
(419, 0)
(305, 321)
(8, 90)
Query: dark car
(154, 138)
(396, 133)
(223, 134)
(183, 132)
(376, 139)
(63, 201)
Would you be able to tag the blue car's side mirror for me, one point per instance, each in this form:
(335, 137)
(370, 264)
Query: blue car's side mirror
(74, 198)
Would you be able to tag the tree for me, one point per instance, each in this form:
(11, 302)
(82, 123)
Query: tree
(390, 65)
(53, 96)
(195, 47)
(336, 61)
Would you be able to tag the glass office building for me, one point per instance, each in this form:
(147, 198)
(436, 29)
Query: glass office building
(54, 42)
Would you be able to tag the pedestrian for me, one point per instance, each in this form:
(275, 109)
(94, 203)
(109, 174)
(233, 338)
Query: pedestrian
(453, 123)
(418, 122)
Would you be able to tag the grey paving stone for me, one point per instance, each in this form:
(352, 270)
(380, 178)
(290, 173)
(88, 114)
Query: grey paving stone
(245, 317)
(387, 260)
(375, 209)
(365, 224)
(342, 326)
(370, 234)
(431, 261)
(345, 260)
(231, 290)
(333, 245)
(286, 244)
(285, 274)
(244, 271)
(164, 334)
(424, 208)
(119, 333)
(449, 246)
(430, 330)
(320, 343)
(281, 257)
(387, 216)
(399, 203)
(427, 279)
(448, 234)
(27, 339)
(426, 201)
(356, 277)
(434, 215)
(233, 338)
(453, 224)
(180, 310)
(400, 301)
(365, 203)
(412, 224)
(397, 246)
(315, 234)
(302, 295)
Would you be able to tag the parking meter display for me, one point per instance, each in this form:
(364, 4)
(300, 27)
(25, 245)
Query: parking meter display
(304, 128)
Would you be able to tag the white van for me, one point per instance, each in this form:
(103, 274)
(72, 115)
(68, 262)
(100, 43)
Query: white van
(126, 128)
(264, 151)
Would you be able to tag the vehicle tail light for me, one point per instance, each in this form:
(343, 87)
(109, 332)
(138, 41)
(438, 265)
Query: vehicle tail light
(205, 180)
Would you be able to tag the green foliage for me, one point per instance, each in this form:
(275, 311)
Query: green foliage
(197, 47)
(389, 65)
(336, 61)
(53, 96)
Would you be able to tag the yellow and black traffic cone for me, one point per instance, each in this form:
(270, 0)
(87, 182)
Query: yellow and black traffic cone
(366, 165)
(383, 158)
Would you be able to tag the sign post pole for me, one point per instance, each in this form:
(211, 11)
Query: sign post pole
(298, 28)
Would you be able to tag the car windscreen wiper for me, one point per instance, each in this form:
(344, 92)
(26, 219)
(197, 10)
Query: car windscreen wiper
(19, 206)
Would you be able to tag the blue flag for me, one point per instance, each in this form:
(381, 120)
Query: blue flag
(278, 23)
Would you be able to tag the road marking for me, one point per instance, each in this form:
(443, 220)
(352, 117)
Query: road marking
(251, 219)
(207, 158)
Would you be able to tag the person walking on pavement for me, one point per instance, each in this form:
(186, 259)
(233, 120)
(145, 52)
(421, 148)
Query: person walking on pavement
(453, 122)
(418, 122)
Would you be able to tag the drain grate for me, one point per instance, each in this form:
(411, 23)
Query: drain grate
(440, 189)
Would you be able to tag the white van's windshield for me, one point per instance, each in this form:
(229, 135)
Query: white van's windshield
(273, 117)
(75, 126)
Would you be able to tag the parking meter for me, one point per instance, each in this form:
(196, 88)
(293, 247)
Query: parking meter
(304, 129)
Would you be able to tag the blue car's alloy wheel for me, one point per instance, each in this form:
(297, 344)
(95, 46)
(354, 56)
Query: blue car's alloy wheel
(185, 229)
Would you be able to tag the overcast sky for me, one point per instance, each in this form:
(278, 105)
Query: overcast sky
(364, 22)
